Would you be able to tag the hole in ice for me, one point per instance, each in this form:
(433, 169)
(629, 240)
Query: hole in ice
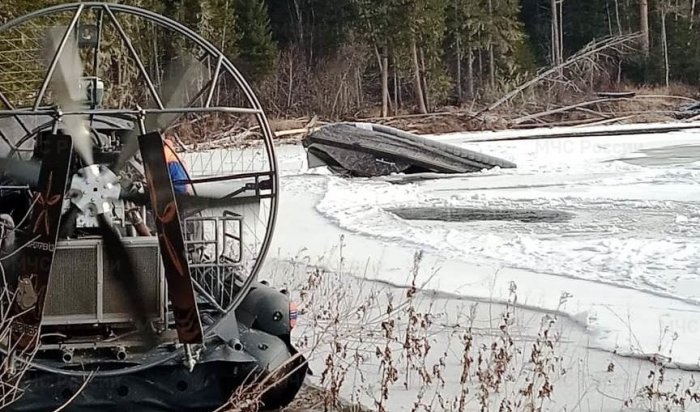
(458, 214)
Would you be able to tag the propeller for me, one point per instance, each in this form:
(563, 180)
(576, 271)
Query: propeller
(66, 86)
(174, 89)
(69, 96)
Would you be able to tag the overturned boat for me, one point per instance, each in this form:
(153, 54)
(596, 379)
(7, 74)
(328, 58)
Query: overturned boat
(368, 150)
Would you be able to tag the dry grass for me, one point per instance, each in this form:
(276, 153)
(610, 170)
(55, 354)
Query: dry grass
(374, 347)
(651, 104)
(375, 343)
(14, 365)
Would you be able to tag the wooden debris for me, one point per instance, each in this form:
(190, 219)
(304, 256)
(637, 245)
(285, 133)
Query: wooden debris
(616, 95)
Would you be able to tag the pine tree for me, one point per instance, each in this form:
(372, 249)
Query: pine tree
(496, 28)
(218, 24)
(257, 50)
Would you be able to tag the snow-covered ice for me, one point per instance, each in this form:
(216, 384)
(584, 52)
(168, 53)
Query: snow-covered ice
(629, 257)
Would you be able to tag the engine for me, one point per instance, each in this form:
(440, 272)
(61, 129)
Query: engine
(108, 134)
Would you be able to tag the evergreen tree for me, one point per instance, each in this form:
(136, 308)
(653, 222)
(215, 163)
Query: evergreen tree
(219, 24)
(317, 27)
(257, 50)
(420, 49)
(497, 36)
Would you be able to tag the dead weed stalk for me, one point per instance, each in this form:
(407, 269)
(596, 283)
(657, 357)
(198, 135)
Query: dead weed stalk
(375, 344)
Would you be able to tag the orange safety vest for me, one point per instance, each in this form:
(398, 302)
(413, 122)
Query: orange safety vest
(174, 161)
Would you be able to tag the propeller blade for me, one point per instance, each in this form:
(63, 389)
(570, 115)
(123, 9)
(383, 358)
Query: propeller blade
(123, 270)
(66, 85)
(36, 260)
(24, 172)
(172, 240)
(174, 91)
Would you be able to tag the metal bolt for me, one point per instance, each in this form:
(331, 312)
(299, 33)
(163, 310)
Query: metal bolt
(277, 316)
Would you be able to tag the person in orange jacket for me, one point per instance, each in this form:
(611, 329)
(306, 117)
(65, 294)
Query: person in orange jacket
(177, 170)
(179, 175)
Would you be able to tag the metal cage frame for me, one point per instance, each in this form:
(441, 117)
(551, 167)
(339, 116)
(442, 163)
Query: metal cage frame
(223, 65)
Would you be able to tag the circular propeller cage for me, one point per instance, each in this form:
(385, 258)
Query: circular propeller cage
(140, 71)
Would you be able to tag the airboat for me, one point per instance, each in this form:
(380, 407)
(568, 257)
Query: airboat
(120, 290)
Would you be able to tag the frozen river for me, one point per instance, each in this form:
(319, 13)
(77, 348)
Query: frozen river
(630, 224)
(612, 223)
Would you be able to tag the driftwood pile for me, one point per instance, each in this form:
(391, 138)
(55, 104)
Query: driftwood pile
(603, 108)
(555, 96)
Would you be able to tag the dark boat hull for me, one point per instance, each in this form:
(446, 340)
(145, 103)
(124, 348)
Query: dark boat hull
(368, 150)
(170, 386)
(160, 389)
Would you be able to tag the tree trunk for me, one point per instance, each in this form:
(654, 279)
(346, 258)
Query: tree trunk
(644, 25)
(399, 95)
(664, 44)
(459, 70)
(417, 80)
(492, 62)
(553, 36)
(424, 78)
(692, 14)
(557, 32)
(397, 88)
(385, 82)
(561, 31)
(481, 63)
(360, 90)
(492, 67)
(382, 60)
(290, 90)
(470, 73)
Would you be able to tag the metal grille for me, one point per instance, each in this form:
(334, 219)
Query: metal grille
(73, 284)
(148, 260)
(82, 290)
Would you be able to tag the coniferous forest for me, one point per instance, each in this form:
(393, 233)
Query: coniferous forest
(347, 58)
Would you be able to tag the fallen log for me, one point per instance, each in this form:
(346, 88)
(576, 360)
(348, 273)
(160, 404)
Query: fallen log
(616, 95)
(293, 132)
